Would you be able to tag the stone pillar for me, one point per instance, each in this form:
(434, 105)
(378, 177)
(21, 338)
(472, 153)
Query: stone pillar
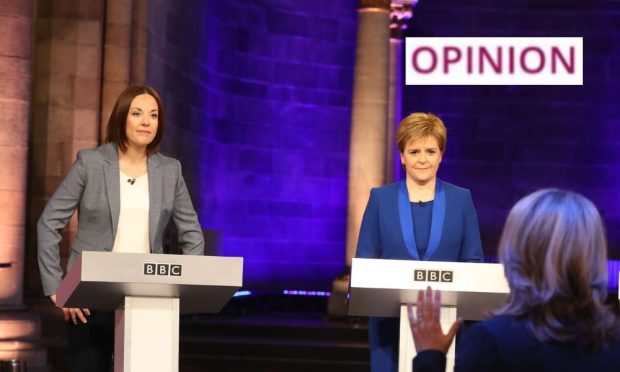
(369, 123)
(139, 38)
(369, 126)
(65, 107)
(124, 56)
(116, 55)
(369, 118)
(15, 62)
(401, 12)
(19, 329)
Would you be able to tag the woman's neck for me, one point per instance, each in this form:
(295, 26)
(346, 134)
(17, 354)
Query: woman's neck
(132, 155)
(132, 161)
(421, 191)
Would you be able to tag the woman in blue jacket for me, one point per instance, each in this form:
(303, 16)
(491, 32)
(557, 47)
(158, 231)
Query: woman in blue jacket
(419, 218)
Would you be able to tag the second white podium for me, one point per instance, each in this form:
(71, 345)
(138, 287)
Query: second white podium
(381, 287)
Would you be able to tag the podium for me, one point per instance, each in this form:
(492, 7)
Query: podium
(381, 287)
(148, 292)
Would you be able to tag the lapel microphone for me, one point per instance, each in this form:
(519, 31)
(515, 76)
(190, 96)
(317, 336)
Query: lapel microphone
(131, 181)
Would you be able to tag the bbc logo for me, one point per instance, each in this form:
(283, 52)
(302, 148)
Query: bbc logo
(433, 276)
(163, 269)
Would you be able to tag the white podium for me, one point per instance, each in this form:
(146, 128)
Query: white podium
(381, 287)
(148, 292)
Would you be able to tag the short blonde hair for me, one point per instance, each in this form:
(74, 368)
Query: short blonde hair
(419, 125)
(554, 252)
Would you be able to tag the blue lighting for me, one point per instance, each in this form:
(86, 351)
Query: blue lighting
(293, 292)
(613, 267)
(242, 293)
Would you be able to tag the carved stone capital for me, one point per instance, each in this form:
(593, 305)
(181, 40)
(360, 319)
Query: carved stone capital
(400, 13)
(377, 4)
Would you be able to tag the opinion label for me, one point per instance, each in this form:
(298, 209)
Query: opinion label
(494, 61)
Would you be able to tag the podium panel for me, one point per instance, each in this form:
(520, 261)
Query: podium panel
(101, 280)
(148, 292)
(381, 287)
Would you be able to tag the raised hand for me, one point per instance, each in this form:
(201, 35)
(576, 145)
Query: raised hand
(425, 325)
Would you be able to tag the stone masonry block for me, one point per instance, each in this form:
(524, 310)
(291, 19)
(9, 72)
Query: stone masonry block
(77, 9)
(119, 12)
(86, 125)
(63, 58)
(118, 35)
(16, 36)
(17, 8)
(14, 122)
(89, 32)
(65, 30)
(15, 78)
(117, 63)
(13, 206)
(60, 123)
(87, 93)
(13, 170)
(88, 61)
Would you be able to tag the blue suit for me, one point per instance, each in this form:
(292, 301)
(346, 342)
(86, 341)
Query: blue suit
(387, 232)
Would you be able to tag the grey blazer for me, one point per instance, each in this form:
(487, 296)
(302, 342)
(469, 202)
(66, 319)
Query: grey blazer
(92, 186)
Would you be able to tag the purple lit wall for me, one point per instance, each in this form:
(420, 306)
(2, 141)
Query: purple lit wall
(506, 141)
(258, 96)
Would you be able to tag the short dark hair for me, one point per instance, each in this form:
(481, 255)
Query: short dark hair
(118, 119)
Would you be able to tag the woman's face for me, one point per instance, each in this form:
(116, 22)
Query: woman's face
(421, 159)
(142, 121)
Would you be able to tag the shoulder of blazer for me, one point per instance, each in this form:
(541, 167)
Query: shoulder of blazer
(457, 191)
(389, 189)
(98, 154)
(164, 161)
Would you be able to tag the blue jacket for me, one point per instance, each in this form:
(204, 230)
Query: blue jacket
(387, 231)
(381, 233)
(503, 343)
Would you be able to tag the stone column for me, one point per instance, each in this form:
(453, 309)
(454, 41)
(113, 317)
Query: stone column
(116, 55)
(369, 123)
(124, 56)
(401, 12)
(19, 329)
(15, 64)
(369, 118)
(139, 38)
(65, 107)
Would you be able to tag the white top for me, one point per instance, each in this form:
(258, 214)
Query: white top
(132, 235)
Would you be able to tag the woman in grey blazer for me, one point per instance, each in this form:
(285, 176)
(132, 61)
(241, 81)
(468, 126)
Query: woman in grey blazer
(125, 193)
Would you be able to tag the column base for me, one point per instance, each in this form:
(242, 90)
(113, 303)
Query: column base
(20, 338)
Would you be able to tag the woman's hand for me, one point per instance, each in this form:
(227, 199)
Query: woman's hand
(73, 313)
(425, 326)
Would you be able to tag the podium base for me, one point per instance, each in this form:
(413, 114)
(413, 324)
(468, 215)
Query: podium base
(407, 350)
(146, 335)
